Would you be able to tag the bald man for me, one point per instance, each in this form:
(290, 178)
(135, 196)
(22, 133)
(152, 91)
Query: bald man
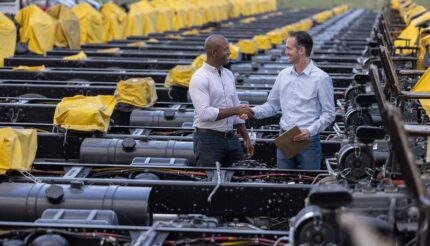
(217, 109)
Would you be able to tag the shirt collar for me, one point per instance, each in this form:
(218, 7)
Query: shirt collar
(211, 68)
(307, 70)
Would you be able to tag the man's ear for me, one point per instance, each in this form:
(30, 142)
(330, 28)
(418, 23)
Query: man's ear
(302, 50)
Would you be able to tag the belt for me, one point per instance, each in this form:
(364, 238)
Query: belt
(228, 134)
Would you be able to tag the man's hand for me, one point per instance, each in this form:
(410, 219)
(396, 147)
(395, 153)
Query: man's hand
(245, 112)
(304, 135)
(249, 149)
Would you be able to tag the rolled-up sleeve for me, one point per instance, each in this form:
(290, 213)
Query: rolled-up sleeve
(199, 93)
(326, 99)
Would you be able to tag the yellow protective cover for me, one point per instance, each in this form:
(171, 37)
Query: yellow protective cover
(263, 42)
(192, 32)
(412, 12)
(179, 75)
(198, 61)
(83, 113)
(150, 16)
(323, 16)
(29, 68)
(275, 37)
(248, 20)
(114, 22)
(18, 149)
(67, 27)
(164, 16)
(7, 37)
(423, 85)
(341, 9)
(395, 4)
(37, 28)
(136, 44)
(135, 21)
(234, 52)
(91, 23)
(139, 92)
(109, 50)
(424, 50)
(247, 46)
(411, 32)
(152, 40)
(80, 56)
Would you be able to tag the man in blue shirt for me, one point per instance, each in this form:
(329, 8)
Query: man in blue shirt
(304, 94)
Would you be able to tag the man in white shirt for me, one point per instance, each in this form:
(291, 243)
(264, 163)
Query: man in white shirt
(217, 109)
(304, 94)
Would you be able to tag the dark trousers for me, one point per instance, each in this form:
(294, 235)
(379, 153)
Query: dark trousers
(210, 148)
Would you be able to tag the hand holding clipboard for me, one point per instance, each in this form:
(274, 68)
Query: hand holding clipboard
(289, 145)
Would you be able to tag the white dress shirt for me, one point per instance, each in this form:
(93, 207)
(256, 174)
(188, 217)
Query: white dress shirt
(212, 89)
(305, 99)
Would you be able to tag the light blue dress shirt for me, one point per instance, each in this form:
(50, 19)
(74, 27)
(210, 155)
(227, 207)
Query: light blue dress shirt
(211, 90)
(305, 99)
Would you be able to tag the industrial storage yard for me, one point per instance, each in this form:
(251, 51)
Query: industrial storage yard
(229, 122)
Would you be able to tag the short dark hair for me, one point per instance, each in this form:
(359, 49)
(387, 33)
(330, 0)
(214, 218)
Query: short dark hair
(303, 39)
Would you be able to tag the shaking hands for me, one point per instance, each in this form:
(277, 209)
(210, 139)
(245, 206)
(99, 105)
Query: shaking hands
(245, 112)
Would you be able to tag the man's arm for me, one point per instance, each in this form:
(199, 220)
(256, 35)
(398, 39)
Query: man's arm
(241, 128)
(326, 99)
(200, 98)
(272, 105)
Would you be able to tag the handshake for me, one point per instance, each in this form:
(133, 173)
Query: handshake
(245, 112)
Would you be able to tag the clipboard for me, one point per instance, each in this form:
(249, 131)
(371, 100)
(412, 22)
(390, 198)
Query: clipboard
(286, 144)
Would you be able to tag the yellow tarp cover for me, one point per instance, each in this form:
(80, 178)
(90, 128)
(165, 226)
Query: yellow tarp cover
(67, 30)
(323, 16)
(149, 15)
(136, 44)
(411, 32)
(7, 37)
(248, 20)
(29, 68)
(18, 149)
(179, 75)
(139, 92)
(275, 37)
(174, 36)
(198, 61)
(135, 21)
(1, 61)
(114, 22)
(80, 56)
(423, 85)
(83, 113)
(192, 32)
(263, 42)
(187, 14)
(341, 9)
(91, 23)
(395, 4)
(424, 49)
(108, 51)
(234, 52)
(164, 16)
(412, 12)
(247, 46)
(207, 30)
(37, 28)
(153, 40)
